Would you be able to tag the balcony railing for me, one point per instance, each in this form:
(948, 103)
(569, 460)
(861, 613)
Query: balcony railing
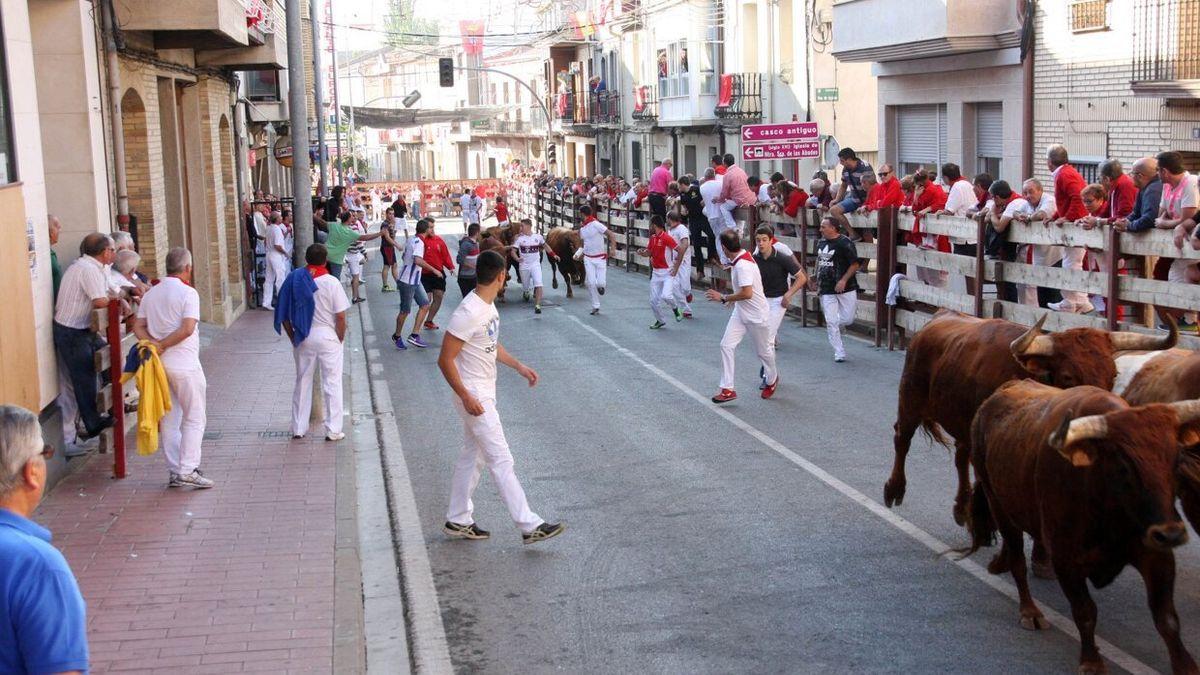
(1166, 57)
(645, 103)
(739, 96)
(605, 107)
(564, 108)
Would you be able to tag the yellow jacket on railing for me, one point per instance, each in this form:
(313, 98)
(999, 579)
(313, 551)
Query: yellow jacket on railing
(154, 395)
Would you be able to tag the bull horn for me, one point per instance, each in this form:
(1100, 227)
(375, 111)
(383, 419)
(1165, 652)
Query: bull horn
(1058, 439)
(1086, 428)
(1032, 342)
(1129, 341)
(1188, 411)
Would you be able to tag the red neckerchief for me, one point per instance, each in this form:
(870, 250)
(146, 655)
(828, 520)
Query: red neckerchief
(744, 256)
(589, 219)
(317, 270)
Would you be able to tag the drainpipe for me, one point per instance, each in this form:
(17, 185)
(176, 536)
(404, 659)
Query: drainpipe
(1027, 89)
(675, 146)
(114, 99)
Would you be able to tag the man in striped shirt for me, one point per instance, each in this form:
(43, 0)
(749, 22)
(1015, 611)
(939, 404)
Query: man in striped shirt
(409, 283)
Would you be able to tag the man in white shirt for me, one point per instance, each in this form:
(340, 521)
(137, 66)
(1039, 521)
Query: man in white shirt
(1039, 207)
(597, 240)
(710, 190)
(322, 347)
(84, 288)
(414, 201)
(999, 213)
(751, 314)
(470, 350)
(277, 261)
(464, 204)
(526, 250)
(413, 265)
(960, 198)
(260, 228)
(168, 317)
(681, 263)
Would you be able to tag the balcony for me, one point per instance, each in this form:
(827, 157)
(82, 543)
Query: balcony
(645, 103)
(505, 127)
(886, 30)
(605, 107)
(195, 24)
(739, 97)
(267, 37)
(1166, 57)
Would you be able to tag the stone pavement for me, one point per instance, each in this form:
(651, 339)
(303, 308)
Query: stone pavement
(238, 578)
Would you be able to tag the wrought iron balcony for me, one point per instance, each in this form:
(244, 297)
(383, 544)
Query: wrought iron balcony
(605, 107)
(645, 103)
(739, 96)
(1166, 58)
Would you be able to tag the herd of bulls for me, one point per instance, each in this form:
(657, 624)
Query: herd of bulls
(1083, 439)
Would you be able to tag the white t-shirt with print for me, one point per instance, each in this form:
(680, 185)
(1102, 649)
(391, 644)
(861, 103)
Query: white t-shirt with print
(329, 300)
(679, 233)
(410, 273)
(477, 324)
(164, 307)
(594, 240)
(529, 246)
(1182, 196)
(745, 273)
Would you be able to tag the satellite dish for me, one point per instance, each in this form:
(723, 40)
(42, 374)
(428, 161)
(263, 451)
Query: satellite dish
(829, 152)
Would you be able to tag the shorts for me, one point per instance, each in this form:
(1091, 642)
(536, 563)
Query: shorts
(354, 263)
(850, 204)
(335, 269)
(466, 285)
(433, 283)
(531, 277)
(407, 293)
(389, 255)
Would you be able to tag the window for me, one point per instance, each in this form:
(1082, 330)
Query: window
(8, 149)
(689, 159)
(1088, 167)
(989, 138)
(1089, 15)
(920, 137)
(672, 63)
(710, 56)
(635, 158)
(262, 85)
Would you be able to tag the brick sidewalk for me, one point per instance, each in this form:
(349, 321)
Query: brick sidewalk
(232, 579)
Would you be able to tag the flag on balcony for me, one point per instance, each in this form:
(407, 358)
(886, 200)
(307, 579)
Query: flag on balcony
(725, 92)
(584, 24)
(472, 36)
(639, 99)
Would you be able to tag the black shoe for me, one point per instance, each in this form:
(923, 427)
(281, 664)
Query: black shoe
(600, 290)
(537, 309)
(543, 532)
(105, 422)
(595, 311)
(464, 531)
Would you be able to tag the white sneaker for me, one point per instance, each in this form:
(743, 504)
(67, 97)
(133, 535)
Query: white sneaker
(194, 479)
(335, 437)
(1061, 306)
(839, 359)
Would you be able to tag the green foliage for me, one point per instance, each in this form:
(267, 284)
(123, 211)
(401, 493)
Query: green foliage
(404, 29)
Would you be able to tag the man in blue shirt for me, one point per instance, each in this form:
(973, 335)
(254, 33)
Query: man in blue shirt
(1145, 207)
(42, 625)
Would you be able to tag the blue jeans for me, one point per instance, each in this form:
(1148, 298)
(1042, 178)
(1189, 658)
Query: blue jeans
(335, 269)
(850, 204)
(410, 291)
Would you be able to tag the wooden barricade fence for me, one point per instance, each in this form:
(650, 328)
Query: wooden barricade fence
(890, 253)
(110, 361)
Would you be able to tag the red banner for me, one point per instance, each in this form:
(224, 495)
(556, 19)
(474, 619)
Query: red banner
(472, 36)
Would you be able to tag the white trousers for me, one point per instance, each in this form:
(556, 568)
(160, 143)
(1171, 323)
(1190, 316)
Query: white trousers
(1043, 256)
(661, 292)
(276, 272)
(597, 276)
(725, 221)
(839, 311)
(1073, 260)
(778, 310)
(682, 286)
(484, 445)
(320, 349)
(66, 402)
(182, 429)
(760, 333)
(531, 278)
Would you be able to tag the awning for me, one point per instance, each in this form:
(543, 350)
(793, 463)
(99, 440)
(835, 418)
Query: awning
(398, 118)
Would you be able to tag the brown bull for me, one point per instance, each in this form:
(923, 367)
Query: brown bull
(957, 361)
(500, 239)
(1092, 479)
(564, 242)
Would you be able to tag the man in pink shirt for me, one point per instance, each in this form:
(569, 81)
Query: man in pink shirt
(659, 179)
(735, 192)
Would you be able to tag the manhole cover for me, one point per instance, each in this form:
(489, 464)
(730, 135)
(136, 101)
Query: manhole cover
(273, 434)
(212, 435)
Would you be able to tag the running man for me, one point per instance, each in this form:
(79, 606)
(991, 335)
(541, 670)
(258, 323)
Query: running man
(661, 281)
(775, 267)
(526, 250)
(595, 254)
(410, 288)
(837, 265)
(387, 248)
(468, 359)
(356, 255)
(681, 263)
(750, 315)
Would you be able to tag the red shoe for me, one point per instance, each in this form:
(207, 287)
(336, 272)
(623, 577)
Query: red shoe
(689, 298)
(769, 390)
(429, 325)
(724, 396)
(687, 315)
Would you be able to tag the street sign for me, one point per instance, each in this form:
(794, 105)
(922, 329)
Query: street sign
(789, 131)
(827, 94)
(782, 150)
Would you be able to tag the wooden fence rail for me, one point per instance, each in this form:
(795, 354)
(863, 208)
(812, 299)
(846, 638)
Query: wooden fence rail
(1132, 290)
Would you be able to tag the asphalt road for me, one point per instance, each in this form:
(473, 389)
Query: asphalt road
(748, 538)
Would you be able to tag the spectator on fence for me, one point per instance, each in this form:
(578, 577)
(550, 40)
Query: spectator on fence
(1039, 207)
(169, 317)
(1121, 191)
(660, 178)
(43, 628)
(960, 200)
(928, 197)
(762, 191)
(1177, 212)
(717, 163)
(820, 196)
(700, 234)
(84, 288)
(1068, 200)
(1144, 175)
(735, 192)
(886, 193)
(851, 192)
(792, 197)
(710, 192)
(998, 213)
(1098, 207)
(981, 185)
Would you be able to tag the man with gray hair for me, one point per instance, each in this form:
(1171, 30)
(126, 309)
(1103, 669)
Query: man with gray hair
(1144, 175)
(43, 626)
(122, 241)
(710, 191)
(168, 318)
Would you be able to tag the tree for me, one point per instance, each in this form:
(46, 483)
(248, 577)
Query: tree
(405, 29)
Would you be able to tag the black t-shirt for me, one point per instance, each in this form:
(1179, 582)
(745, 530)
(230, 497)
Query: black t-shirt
(694, 204)
(834, 257)
(775, 270)
(400, 209)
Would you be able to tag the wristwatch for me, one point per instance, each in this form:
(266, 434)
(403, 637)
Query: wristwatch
(724, 299)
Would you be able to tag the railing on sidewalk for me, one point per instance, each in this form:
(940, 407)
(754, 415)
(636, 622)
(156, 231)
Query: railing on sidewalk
(110, 362)
(1130, 294)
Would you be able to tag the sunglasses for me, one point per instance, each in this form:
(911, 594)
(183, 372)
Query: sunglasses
(885, 173)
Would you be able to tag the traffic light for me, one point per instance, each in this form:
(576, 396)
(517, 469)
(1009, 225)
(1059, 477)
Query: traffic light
(551, 153)
(446, 71)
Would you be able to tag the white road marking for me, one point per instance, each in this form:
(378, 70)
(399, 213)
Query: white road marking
(1059, 621)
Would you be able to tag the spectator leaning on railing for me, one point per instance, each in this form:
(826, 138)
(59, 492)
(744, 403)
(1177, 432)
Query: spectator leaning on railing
(43, 627)
(1144, 176)
(1068, 198)
(998, 213)
(1039, 207)
(1177, 212)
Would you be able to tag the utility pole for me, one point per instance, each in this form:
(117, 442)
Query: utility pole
(314, 19)
(337, 108)
(298, 115)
